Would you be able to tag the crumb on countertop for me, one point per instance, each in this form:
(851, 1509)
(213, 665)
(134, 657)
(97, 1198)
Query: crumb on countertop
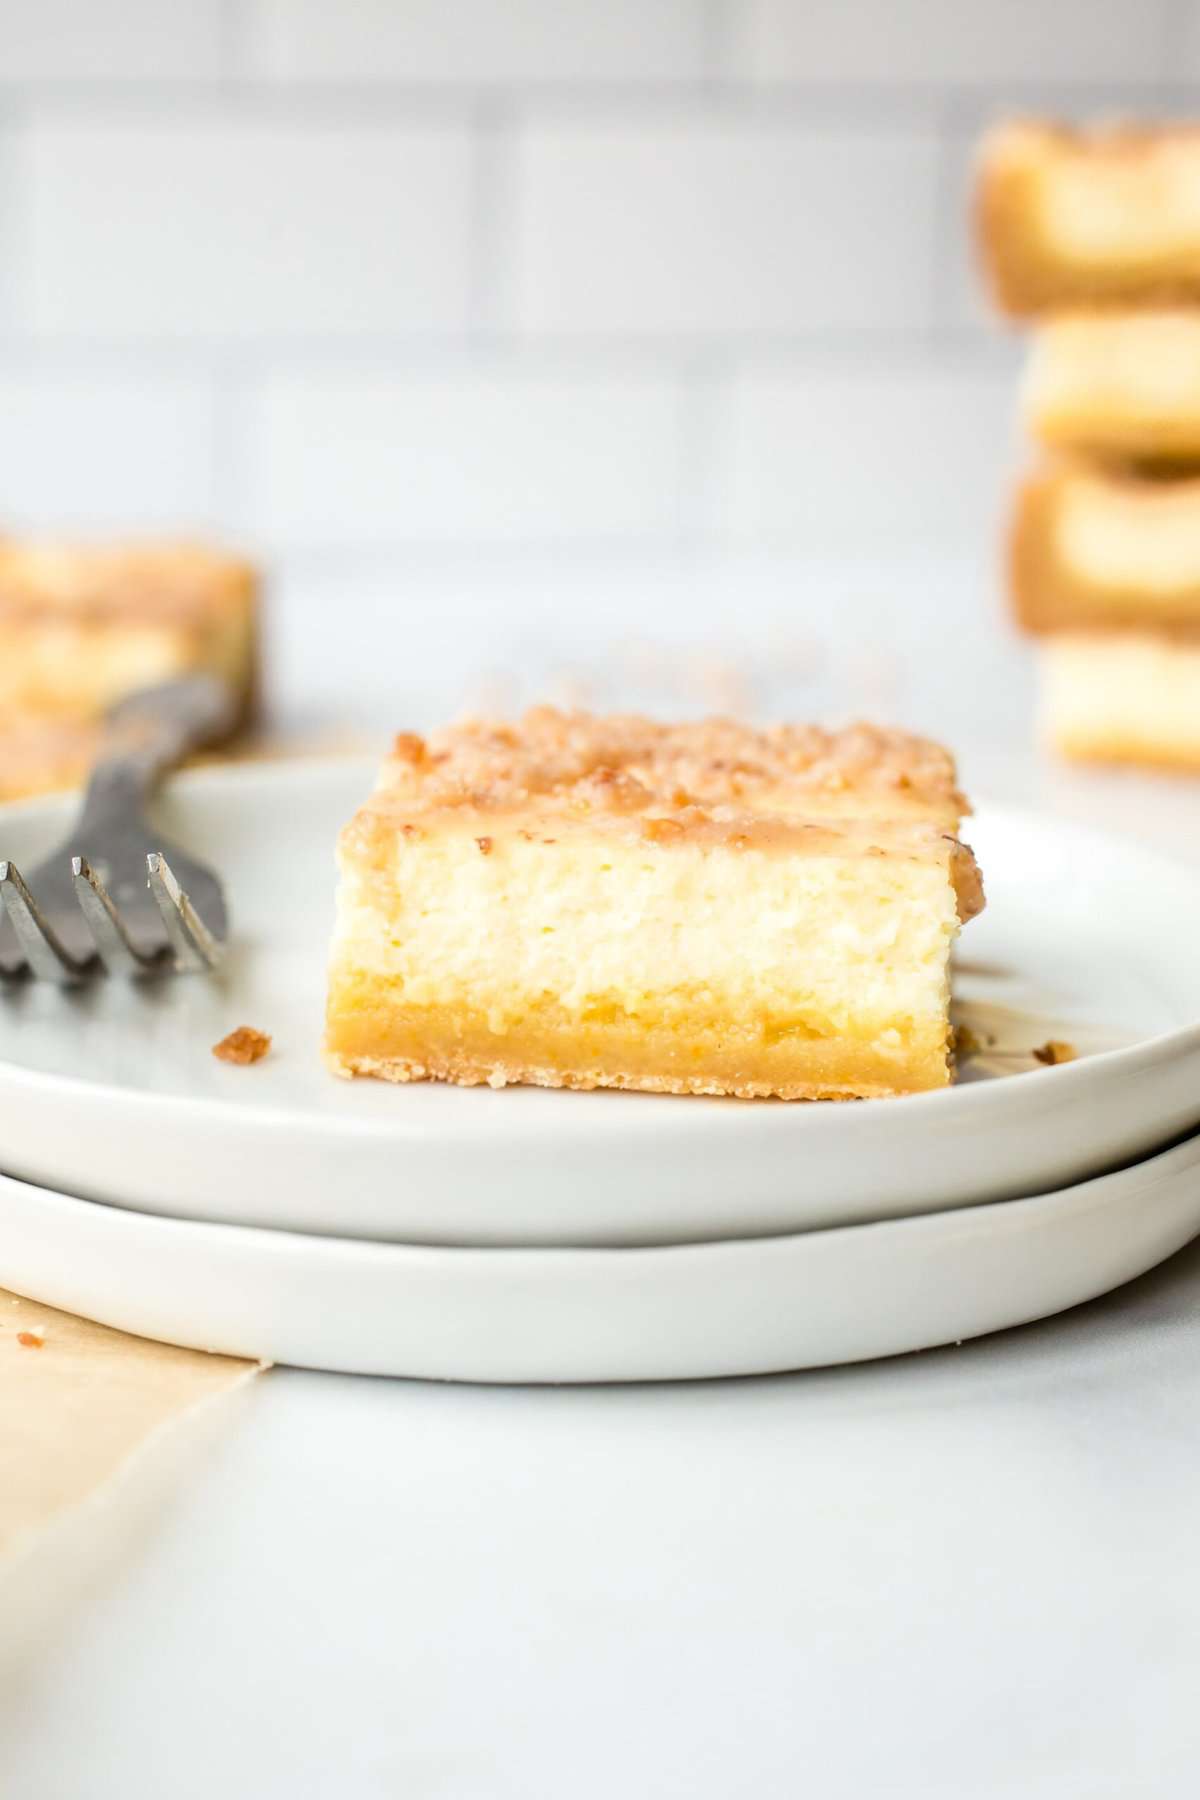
(245, 1045)
(1056, 1050)
(32, 1340)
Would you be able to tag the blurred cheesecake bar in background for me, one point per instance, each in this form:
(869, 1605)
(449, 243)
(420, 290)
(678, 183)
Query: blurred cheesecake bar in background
(696, 909)
(1094, 236)
(1070, 217)
(1102, 550)
(81, 626)
(41, 755)
(1122, 697)
(1121, 386)
(1105, 573)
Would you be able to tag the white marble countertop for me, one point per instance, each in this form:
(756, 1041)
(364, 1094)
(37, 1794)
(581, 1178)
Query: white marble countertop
(970, 1572)
(966, 1573)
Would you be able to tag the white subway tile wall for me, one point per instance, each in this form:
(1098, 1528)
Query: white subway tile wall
(386, 281)
(469, 452)
(109, 40)
(490, 42)
(975, 43)
(819, 451)
(692, 223)
(203, 226)
(107, 450)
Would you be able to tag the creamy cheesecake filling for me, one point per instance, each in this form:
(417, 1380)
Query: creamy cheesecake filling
(39, 755)
(1124, 385)
(661, 933)
(69, 670)
(1121, 697)
(1143, 206)
(1120, 539)
(1106, 553)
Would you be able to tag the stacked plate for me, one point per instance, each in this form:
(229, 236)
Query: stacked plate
(274, 1212)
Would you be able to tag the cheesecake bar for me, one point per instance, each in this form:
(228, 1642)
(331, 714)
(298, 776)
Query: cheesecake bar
(81, 626)
(38, 756)
(1070, 218)
(1123, 387)
(694, 909)
(1102, 552)
(1121, 698)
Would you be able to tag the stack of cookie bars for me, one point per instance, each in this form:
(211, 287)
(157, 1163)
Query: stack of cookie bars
(1093, 239)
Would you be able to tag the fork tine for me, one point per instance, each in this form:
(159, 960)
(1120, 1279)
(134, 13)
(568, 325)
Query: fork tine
(45, 954)
(194, 946)
(104, 922)
(13, 967)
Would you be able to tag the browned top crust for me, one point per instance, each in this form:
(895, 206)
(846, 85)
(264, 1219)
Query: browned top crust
(185, 582)
(1049, 594)
(857, 792)
(628, 764)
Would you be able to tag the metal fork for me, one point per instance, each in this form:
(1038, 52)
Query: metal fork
(115, 895)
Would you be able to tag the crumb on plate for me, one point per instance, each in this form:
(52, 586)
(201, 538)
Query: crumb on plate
(965, 1041)
(245, 1045)
(1056, 1050)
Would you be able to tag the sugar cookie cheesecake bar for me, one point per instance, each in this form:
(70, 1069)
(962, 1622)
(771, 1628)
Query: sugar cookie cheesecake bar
(1099, 552)
(82, 625)
(696, 909)
(1070, 217)
(1122, 387)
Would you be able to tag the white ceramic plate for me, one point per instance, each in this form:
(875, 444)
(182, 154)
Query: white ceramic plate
(693, 1311)
(113, 1093)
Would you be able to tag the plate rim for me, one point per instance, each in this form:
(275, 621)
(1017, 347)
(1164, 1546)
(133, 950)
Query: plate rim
(496, 1316)
(1177, 1157)
(960, 1101)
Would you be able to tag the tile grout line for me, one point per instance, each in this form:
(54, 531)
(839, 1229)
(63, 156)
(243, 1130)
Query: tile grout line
(834, 104)
(491, 221)
(948, 221)
(233, 383)
(717, 43)
(16, 119)
(10, 249)
(703, 410)
(233, 61)
(426, 352)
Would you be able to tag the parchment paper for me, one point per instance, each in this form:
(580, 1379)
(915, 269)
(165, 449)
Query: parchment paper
(77, 1406)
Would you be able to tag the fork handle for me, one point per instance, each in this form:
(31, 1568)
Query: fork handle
(155, 728)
